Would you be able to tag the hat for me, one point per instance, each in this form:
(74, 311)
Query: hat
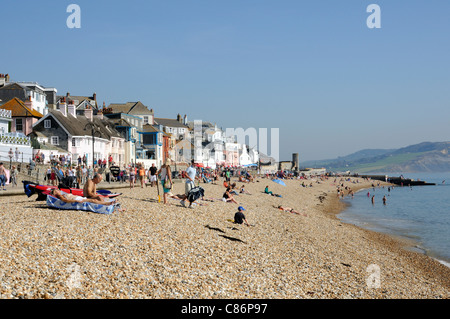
(241, 208)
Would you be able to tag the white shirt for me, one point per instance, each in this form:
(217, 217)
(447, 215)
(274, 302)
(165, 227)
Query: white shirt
(191, 173)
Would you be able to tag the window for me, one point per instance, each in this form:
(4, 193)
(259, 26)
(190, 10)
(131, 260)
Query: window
(74, 142)
(145, 119)
(19, 125)
(55, 140)
(47, 123)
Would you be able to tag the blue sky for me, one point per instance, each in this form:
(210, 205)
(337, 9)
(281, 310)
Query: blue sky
(313, 69)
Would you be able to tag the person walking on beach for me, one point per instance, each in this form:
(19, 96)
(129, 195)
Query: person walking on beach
(142, 176)
(132, 176)
(166, 180)
(190, 178)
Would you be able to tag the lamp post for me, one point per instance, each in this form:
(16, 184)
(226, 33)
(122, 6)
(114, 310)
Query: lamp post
(133, 140)
(94, 130)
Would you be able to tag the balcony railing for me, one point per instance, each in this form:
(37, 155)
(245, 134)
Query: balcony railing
(5, 113)
(14, 138)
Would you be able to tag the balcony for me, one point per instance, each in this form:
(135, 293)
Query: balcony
(15, 138)
(5, 114)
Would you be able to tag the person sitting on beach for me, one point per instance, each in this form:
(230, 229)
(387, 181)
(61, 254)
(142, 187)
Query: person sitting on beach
(243, 191)
(243, 180)
(239, 217)
(90, 188)
(266, 190)
(71, 198)
(227, 197)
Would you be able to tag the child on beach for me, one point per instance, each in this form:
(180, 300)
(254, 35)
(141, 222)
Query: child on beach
(239, 217)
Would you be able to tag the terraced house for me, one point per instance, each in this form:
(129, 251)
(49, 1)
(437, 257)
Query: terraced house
(64, 131)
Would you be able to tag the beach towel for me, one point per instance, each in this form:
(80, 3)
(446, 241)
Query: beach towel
(54, 202)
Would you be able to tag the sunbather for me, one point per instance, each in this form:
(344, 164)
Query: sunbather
(71, 198)
(290, 210)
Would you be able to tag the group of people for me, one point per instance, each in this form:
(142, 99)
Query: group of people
(13, 173)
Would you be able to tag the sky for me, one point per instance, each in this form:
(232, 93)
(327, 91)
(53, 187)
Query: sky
(312, 69)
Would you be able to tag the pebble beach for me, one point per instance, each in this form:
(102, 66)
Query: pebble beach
(152, 250)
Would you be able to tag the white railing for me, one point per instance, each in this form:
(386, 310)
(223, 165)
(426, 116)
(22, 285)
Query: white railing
(5, 113)
(14, 138)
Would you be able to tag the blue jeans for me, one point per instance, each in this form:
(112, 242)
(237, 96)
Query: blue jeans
(2, 180)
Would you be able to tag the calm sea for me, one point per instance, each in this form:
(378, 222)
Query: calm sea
(419, 213)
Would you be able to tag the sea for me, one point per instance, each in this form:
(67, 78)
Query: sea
(420, 214)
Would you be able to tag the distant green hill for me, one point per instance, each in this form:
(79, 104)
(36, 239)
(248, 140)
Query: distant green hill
(423, 157)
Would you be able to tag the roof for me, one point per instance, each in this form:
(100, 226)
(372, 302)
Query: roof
(130, 108)
(169, 122)
(147, 128)
(19, 109)
(78, 98)
(75, 126)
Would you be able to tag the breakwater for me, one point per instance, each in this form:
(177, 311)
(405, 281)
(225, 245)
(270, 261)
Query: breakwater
(400, 180)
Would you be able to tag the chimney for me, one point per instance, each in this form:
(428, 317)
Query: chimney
(88, 112)
(28, 103)
(185, 119)
(71, 109)
(100, 115)
(179, 118)
(63, 106)
(94, 97)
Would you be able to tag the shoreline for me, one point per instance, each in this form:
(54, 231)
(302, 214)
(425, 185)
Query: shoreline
(410, 244)
(395, 242)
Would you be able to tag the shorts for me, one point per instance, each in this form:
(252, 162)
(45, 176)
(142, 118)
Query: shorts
(189, 185)
(152, 178)
(166, 190)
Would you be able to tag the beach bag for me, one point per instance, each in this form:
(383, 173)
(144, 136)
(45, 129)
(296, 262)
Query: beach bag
(167, 183)
(195, 193)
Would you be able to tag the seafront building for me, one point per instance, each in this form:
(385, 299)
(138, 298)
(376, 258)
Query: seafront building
(128, 132)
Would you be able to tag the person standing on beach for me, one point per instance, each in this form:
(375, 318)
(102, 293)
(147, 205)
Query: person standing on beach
(152, 177)
(190, 178)
(2, 176)
(166, 181)
(14, 174)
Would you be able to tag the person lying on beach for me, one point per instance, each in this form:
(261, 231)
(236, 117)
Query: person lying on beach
(71, 198)
(289, 210)
(227, 197)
